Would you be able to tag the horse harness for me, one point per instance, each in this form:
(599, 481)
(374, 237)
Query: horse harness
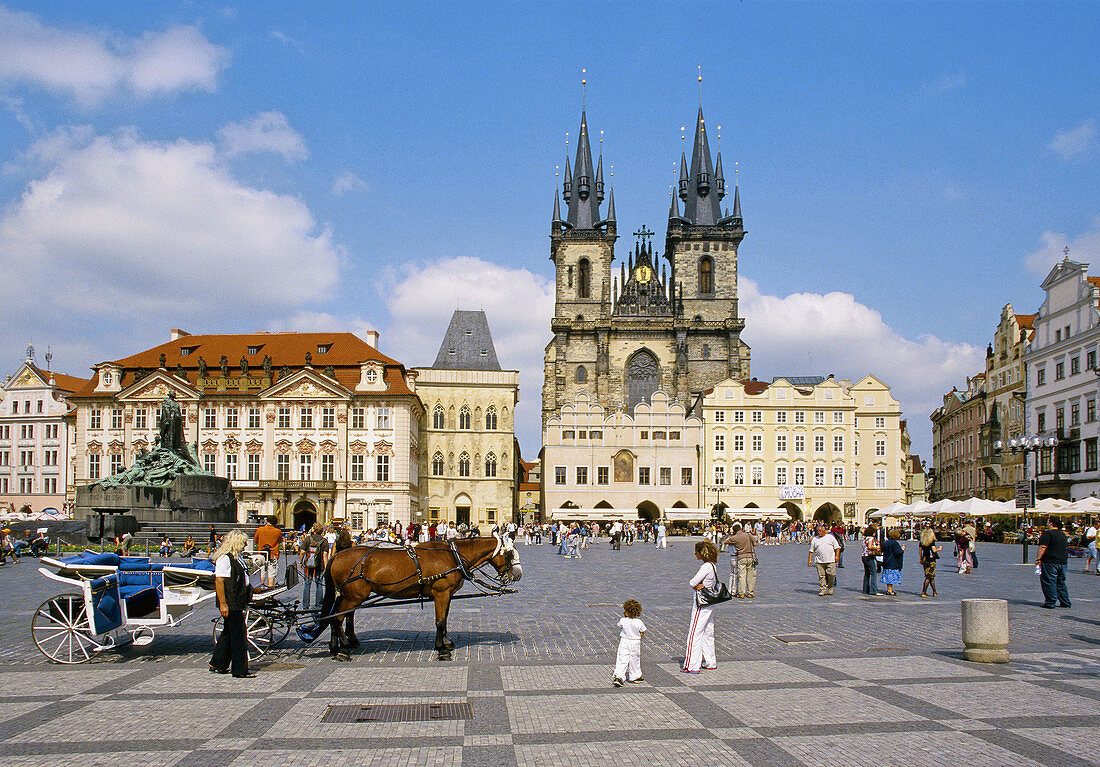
(421, 580)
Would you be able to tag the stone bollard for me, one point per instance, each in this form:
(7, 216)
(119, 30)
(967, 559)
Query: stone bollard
(985, 630)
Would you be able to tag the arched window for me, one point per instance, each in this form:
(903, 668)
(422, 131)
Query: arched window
(706, 351)
(491, 418)
(437, 465)
(706, 275)
(464, 465)
(582, 374)
(438, 417)
(643, 377)
(584, 278)
(490, 465)
(464, 418)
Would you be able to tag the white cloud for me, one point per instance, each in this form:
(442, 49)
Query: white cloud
(306, 321)
(266, 132)
(89, 65)
(945, 84)
(348, 182)
(115, 228)
(1084, 248)
(1075, 141)
(818, 334)
(518, 304)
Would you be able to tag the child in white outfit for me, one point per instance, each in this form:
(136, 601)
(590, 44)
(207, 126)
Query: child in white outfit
(628, 662)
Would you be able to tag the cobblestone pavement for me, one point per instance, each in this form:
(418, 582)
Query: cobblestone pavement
(883, 685)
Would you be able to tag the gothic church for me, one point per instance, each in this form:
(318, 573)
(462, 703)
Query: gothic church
(657, 322)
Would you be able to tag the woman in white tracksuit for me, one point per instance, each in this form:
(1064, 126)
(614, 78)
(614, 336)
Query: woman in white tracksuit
(699, 653)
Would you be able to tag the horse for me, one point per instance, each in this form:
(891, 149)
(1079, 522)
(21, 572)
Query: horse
(434, 570)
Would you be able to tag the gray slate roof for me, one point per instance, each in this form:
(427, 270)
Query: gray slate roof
(468, 344)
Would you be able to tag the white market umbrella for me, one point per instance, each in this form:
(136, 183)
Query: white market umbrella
(1089, 505)
(1050, 504)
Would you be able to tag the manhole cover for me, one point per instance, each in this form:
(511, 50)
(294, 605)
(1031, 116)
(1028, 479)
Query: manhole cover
(795, 638)
(404, 712)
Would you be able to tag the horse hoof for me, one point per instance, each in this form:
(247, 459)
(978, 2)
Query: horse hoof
(444, 656)
(353, 643)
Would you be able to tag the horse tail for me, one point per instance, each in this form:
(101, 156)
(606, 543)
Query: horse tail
(328, 601)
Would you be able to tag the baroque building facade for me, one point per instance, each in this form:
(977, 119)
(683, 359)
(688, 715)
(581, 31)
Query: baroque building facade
(1006, 392)
(307, 426)
(957, 442)
(469, 457)
(34, 437)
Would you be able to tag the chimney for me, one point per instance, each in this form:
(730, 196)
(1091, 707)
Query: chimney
(371, 338)
(177, 334)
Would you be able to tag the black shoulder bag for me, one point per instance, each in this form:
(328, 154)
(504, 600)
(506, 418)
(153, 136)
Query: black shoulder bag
(716, 594)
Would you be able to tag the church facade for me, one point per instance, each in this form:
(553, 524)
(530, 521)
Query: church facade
(651, 321)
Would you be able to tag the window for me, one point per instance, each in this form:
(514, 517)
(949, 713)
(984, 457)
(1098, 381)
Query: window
(94, 418)
(672, 435)
(1090, 410)
(305, 418)
(582, 475)
(838, 443)
(1060, 418)
(49, 485)
(800, 475)
(880, 479)
(464, 465)
(357, 463)
(880, 422)
(719, 475)
(719, 416)
(253, 350)
(323, 348)
(568, 434)
(51, 431)
(584, 278)
(382, 468)
(780, 475)
(685, 475)
(880, 447)
(559, 475)
(231, 418)
(838, 416)
(819, 476)
(49, 458)
(282, 468)
(719, 443)
(738, 475)
(780, 443)
(209, 462)
(780, 416)
(1041, 421)
(706, 275)
(838, 476)
(253, 468)
(93, 467)
(758, 475)
(800, 416)
(643, 475)
(664, 475)
(658, 435)
(15, 406)
(603, 474)
(738, 416)
(1040, 376)
(1090, 455)
(819, 443)
(706, 351)
(438, 417)
(328, 418)
(819, 416)
(597, 434)
(1074, 414)
(757, 443)
(328, 468)
(26, 431)
(358, 418)
(231, 466)
(210, 418)
(1074, 365)
(26, 485)
(643, 376)
(491, 418)
(1059, 371)
(1090, 360)
(464, 418)
(253, 418)
(305, 467)
(757, 416)
(490, 465)
(383, 421)
(282, 420)
(643, 435)
(739, 443)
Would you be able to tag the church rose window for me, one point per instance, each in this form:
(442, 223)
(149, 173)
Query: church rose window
(643, 377)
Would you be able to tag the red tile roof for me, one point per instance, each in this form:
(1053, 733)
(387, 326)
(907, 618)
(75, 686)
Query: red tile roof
(345, 352)
(65, 383)
(755, 387)
(1028, 320)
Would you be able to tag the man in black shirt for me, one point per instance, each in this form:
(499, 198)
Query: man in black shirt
(1052, 559)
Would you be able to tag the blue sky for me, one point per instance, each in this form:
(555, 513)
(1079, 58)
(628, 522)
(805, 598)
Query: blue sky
(906, 170)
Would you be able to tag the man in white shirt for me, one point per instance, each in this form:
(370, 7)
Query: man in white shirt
(662, 533)
(823, 549)
(1090, 543)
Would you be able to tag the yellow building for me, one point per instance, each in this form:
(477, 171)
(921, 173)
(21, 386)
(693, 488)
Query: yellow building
(817, 447)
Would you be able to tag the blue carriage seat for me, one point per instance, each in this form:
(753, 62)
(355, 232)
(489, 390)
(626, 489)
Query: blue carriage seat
(106, 604)
(141, 586)
(89, 557)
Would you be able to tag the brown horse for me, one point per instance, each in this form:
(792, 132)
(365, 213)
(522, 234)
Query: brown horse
(353, 575)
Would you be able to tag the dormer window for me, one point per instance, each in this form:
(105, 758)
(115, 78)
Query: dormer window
(704, 183)
(451, 350)
(253, 350)
(582, 187)
(484, 352)
(108, 377)
(186, 350)
(468, 332)
(323, 348)
(372, 375)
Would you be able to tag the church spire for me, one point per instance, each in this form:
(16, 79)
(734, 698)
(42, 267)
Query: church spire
(584, 203)
(556, 222)
(701, 207)
(611, 204)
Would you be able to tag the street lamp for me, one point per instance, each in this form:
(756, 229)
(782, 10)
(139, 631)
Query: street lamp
(1025, 445)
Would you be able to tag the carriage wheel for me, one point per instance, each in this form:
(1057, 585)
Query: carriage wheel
(62, 630)
(280, 628)
(257, 632)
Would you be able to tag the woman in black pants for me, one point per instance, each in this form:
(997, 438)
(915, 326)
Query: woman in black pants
(234, 593)
(870, 565)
